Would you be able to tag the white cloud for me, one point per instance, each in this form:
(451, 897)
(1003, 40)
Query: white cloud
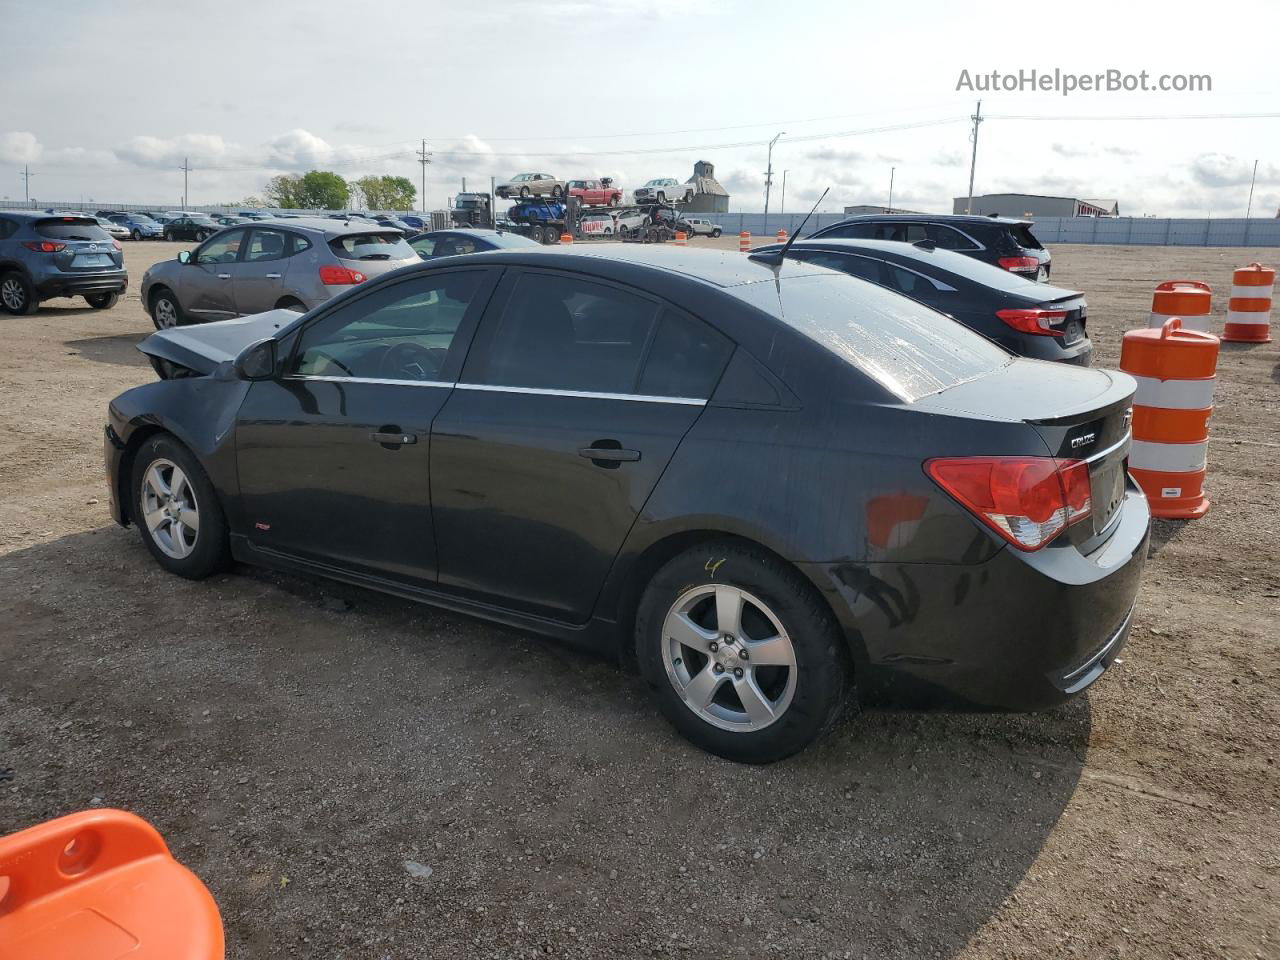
(200, 149)
(20, 146)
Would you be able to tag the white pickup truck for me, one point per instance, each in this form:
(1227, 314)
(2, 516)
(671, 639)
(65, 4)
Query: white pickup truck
(664, 190)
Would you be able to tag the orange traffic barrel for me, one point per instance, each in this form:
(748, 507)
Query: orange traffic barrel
(1175, 370)
(1249, 309)
(566, 238)
(1188, 300)
(100, 885)
(680, 238)
(744, 242)
(782, 236)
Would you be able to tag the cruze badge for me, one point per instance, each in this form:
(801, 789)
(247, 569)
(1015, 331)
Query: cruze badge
(1083, 441)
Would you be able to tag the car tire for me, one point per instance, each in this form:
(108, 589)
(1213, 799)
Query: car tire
(136, 235)
(556, 193)
(692, 661)
(168, 237)
(102, 301)
(166, 311)
(614, 200)
(17, 295)
(715, 234)
(524, 193)
(662, 197)
(177, 511)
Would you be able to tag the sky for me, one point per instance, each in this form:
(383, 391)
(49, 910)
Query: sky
(104, 101)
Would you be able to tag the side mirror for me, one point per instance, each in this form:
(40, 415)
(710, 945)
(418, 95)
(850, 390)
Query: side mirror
(184, 256)
(257, 362)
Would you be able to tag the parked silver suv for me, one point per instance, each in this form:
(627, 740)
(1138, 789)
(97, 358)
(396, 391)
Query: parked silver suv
(295, 264)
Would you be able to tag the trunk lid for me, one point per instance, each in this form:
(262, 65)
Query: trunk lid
(86, 246)
(202, 347)
(1079, 413)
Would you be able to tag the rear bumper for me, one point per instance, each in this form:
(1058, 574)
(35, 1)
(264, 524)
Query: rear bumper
(1017, 632)
(77, 285)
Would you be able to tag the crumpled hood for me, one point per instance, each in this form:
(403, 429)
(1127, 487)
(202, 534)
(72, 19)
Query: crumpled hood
(202, 347)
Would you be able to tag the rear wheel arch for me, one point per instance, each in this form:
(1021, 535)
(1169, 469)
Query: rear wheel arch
(658, 554)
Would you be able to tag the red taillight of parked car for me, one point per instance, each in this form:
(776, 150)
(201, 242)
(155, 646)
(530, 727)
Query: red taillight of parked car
(340, 276)
(116, 244)
(1037, 320)
(1026, 500)
(1020, 264)
(45, 246)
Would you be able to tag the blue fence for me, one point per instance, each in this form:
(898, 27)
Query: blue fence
(1148, 231)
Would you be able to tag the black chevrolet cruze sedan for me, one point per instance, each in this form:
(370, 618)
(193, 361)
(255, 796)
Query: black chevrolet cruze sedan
(760, 485)
(1027, 318)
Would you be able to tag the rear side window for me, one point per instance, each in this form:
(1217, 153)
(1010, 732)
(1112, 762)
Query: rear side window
(62, 229)
(371, 246)
(685, 359)
(7, 229)
(564, 333)
(1022, 233)
(908, 348)
(297, 243)
(852, 231)
(950, 239)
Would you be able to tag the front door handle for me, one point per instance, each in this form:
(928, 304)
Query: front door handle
(224, 276)
(393, 438)
(273, 276)
(608, 454)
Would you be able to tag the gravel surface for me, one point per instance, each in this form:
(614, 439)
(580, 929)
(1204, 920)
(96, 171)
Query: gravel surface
(357, 776)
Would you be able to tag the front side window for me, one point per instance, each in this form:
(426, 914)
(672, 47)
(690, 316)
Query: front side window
(559, 332)
(224, 248)
(402, 332)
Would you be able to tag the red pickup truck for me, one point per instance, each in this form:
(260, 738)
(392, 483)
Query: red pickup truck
(595, 193)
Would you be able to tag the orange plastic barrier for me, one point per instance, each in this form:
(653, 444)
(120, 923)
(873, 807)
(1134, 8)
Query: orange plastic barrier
(101, 885)
(566, 238)
(782, 236)
(744, 242)
(680, 239)
(1249, 309)
(1175, 370)
(1189, 300)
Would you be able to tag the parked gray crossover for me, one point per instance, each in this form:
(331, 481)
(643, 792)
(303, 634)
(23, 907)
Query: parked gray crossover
(295, 264)
(43, 256)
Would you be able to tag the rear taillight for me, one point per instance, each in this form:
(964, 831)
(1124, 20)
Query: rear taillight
(340, 276)
(116, 244)
(1037, 320)
(1020, 264)
(45, 246)
(1026, 500)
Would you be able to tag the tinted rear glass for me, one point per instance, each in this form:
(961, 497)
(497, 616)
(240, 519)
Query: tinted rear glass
(71, 230)
(909, 349)
(1024, 236)
(372, 246)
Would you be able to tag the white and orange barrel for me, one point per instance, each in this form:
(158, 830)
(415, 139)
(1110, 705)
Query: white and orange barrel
(1189, 300)
(566, 238)
(680, 239)
(782, 236)
(1175, 370)
(744, 242)
(1249, 309)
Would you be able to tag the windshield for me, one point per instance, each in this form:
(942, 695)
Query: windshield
(144, 218)
(372, 246)
(512, 240)
(908, 348)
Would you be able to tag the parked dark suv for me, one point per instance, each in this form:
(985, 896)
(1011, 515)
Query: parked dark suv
(1000, 241)
(44, 256)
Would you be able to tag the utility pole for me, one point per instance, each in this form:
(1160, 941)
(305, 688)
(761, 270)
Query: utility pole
(973, 163)
(424, 158)
(892, 171)
(1249, 209)
(782, 204)
(464, 184)
(27, 175)
(768, 181)
(186, 168)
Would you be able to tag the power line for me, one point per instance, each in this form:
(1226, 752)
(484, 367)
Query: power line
(1132, 116)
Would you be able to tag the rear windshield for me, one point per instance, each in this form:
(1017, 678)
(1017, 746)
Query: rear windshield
(63, 229)
(372, 246)
(909, 349)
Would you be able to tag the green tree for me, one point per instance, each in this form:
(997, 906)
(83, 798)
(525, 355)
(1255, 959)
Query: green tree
(387, 193)
(320, 189)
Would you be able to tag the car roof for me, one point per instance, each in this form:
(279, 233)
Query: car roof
(324, 225)
(928, 218)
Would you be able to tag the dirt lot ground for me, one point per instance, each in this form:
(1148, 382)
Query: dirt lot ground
(356, 776)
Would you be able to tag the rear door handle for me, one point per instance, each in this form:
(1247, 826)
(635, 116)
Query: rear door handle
(395, 438)
(224, 276)
(609, 455)
(273, 276)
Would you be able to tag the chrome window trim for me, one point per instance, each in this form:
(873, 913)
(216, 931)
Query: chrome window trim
(388, 382)
(586, 394)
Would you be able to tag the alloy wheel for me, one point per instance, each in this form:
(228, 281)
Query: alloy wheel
(13, 294)
(169, 509)
(729, 658)
(166, 314)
